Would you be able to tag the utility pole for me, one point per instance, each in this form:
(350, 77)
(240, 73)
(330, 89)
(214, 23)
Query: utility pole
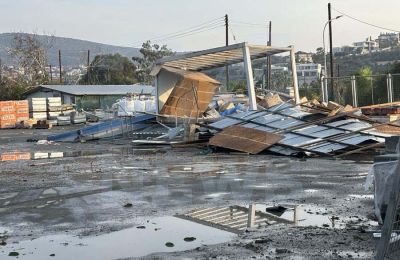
(51, 74)
(59, 64)
(1, 71)
(338, 70)
(227, 43)
(269, 57)
(331, 49)
(88, 67)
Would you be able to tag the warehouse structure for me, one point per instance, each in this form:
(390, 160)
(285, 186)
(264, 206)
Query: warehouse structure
(88, 96)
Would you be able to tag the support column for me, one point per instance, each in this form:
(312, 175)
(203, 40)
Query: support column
(323, 89)
(389, 84)
(294, 72)
(251, 92)
(354, 91)
(157, 97)
(251, 215)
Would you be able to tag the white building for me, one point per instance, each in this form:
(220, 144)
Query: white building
(308, 73)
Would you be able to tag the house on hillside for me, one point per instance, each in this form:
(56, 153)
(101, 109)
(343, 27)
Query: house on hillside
(304, 57)
(88, 96)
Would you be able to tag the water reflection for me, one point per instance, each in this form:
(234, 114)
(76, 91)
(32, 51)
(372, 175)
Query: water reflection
(163, 234)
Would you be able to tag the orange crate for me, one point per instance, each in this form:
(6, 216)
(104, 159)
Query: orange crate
(21, 103)
(21, 110)
(8, 117)
(8, 157)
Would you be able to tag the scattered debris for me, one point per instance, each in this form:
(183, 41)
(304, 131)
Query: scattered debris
(128, 205)
(189, 239)
(169, 244)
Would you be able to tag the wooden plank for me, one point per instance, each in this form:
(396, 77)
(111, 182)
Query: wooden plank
(245, 139)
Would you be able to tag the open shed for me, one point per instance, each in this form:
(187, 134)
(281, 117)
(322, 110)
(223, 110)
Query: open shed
(219, 57)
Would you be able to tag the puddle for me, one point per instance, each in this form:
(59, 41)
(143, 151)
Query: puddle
(22, 156)
(151, 237)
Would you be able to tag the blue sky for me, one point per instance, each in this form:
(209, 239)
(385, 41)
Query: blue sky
(130, 22)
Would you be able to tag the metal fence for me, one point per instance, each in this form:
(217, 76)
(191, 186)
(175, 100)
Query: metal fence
(355, 90)
(389, 244)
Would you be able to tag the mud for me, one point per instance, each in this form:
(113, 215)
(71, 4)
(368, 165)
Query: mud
(81, 195)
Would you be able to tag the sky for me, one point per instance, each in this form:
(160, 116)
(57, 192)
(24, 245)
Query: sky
(131, 22)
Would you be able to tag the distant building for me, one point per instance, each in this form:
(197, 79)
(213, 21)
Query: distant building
(308, 73)
(304, 57)
(88, 96)
(366, 46)
(387, 40)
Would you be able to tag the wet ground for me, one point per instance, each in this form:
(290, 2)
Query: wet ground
(107, 200)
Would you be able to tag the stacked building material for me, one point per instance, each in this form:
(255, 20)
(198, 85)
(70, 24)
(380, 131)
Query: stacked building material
(7, 114)
(21, 110)
(54, 107)
(38, 108)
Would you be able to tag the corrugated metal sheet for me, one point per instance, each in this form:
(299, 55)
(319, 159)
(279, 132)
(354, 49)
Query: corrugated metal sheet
(218, 57)
(191, 95)
(97, 90)
(323, 138)
(244, 139)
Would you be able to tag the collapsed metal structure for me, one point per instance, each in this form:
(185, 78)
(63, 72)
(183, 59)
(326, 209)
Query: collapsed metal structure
(337, 135)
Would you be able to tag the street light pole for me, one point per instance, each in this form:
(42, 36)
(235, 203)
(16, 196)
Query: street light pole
(325, 95)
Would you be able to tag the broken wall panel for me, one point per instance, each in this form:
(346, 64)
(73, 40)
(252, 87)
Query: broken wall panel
(244, 139)
(184, 93)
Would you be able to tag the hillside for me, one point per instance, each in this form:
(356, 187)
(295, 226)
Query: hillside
(74, 51)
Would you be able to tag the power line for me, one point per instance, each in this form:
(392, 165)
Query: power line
(248, 24)
(200, 29)
(200, 26)
(364, 22)
(197, 32)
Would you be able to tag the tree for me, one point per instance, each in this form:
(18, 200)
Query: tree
(12, 89)
(318, 57)
(31, 55)
(110, 69)
(150, 53)
(364, 86)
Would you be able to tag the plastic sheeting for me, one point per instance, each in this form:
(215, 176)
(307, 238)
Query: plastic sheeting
(381, 176)
(129, 107)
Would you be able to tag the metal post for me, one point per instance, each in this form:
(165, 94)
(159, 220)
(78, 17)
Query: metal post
(294, 72)
(389, 84)
(331, 48)
(354, 91)
(326, 90)
(323, 89)
(296, 215)
(251, 92)
(251, 215)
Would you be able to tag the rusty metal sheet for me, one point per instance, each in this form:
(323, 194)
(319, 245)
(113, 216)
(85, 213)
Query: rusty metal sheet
(191, 96)
(245, 139)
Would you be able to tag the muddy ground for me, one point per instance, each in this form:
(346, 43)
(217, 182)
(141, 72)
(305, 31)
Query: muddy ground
(103, 188)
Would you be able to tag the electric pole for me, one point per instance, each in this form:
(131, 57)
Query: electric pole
(88, 67)
(1, 71)
(59, 64)
(51, 74)
(226, 44)
(269, 57)
(331, 50)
